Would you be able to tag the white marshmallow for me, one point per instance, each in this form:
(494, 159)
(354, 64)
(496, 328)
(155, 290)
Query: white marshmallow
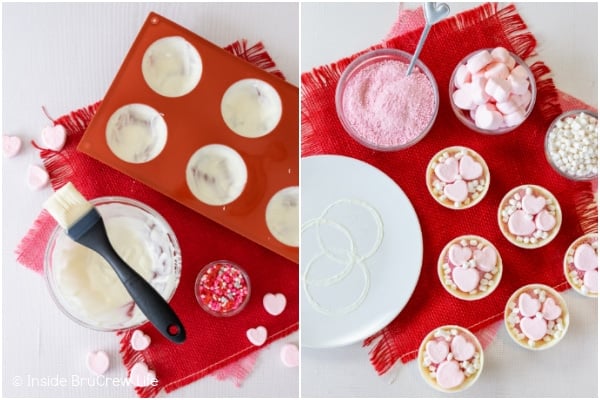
(478, 61)
(462, 76)
(463, 99)
(499, 89)
(496, 70)
(477, 89)
(487, 118)
(515, 118)
(519, 72)
(507, 107)
(518, 85)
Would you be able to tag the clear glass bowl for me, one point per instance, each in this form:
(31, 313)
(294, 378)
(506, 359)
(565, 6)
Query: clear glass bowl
(222, 288)
(85, 287)
(464, 115)
(554, 160)
(366, 60)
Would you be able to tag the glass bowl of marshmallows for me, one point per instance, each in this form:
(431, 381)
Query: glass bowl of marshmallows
(492, 91)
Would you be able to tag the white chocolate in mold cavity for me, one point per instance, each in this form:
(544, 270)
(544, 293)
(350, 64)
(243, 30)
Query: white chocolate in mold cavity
(581, 265)
(536, 317)
(251, 108)
(136, 133)
(529, 216)
(216, 174)
(469, 267)
(282, 216)
(171, 66)
(450, 358)
(457, 177)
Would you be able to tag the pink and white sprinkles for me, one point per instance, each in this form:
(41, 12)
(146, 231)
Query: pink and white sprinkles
(581, 265)
(451, 358)
(536, 317)
(222, 288)
(493, 88)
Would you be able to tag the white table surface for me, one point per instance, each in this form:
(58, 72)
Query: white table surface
(64, 56)
(567, 42)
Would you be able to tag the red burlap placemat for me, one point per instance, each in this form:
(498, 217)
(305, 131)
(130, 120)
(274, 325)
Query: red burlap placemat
(212, 343)
(515, 158)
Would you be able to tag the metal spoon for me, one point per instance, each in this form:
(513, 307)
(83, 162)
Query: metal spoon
(434, 12)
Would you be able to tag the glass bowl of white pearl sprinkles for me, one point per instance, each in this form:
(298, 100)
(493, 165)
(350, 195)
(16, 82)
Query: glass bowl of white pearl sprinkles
(572, 145)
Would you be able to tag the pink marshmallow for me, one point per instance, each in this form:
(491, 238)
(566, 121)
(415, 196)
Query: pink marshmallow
(463, 99)
(499, 89)
(487, 118)
(519, 72)
(515, 118)
(478, 61)
(508, 107)
(462, 76)
(522, 100)
(502, 55)
(496, 70)
(518, 85)
(477, 90)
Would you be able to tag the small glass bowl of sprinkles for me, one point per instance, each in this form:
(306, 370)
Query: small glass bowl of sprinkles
(222, 288)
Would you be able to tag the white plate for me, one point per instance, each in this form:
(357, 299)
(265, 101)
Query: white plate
(393, 269)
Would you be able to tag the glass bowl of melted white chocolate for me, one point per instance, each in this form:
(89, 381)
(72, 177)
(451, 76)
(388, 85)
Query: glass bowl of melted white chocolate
(86, 288)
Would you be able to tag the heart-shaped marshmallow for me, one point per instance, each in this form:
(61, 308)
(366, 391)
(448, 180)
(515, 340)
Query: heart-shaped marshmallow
(457, 191)
(469, 169)
(54, 137)
(437, 351)
(11, 145)
(274, 304)
(459, 255)
(550, 310)
(521, 223)
(590, 281)
(545, 221)
(141, 376)
(533, 328)
(37, 177)
(435, 12)
(257, 336)
(139, 341)
(528, 306)
(448, 170)
(289, 355)
(98, 362)
(486, 258)
(462, 349)
(466, 279)
(532, 204)
(449, 375)
(585, 258)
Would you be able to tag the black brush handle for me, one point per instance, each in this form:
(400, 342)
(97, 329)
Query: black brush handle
(90, 232)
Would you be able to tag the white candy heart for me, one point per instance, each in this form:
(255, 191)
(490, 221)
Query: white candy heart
(257, 336)
(458, 255)
(449, 375)
(590, 280)
(486, 258)
(437, 350)
(37, 177)
(447, 171)
(521, 224)
(550, 310)
(435, 12)
(98, 362)
(533, 328)
(11, 145)
(585, 258)
(289, 355)
(457, 191)
(274, 304)
(139, 341)
(528, 306)
(469, 169)
(462, 349)
(141, 376)
(532, 204)
(54, 137)
(545, 221)
(466, 279)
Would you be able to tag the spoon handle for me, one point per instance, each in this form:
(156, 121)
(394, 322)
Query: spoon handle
(415, 56)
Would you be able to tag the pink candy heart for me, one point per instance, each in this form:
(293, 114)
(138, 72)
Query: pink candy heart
(545, 221)
(11, 145)
(528, 306)
(54, 137)
(274, 304)
(521, 224)
(257, 336)
(37, 177)
(139, 341)
(449, 375)
(141, 376)
(533, 328)
(486, 258)
(462, 349)
(532, 204)
(590, 280)
(289, 355)
(98, 362)
(469, 169)
(550, 310)
(458, 255)
(457, 191)
(447, 171)
(466, 279)
(437, 350)
(585, 258)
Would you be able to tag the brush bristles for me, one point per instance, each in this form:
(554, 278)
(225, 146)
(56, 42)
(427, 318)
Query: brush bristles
(67, 206)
